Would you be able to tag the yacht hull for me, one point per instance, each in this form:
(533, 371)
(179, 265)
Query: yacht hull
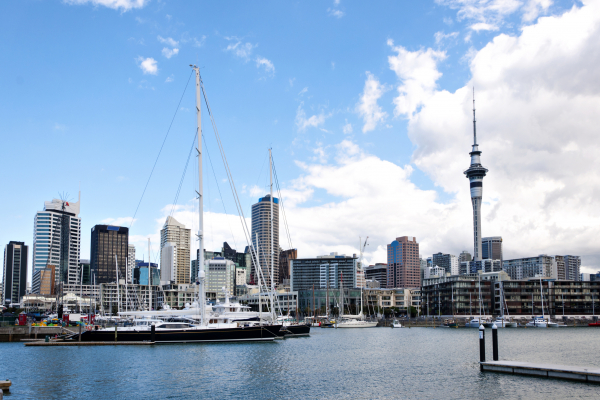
(253, 333)
(296, 330)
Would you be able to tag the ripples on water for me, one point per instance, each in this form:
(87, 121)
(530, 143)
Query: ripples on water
(376, 363)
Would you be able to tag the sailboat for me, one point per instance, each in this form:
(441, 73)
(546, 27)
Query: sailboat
(537, 321)
(211, 327)
(350, 320)
(501, 321)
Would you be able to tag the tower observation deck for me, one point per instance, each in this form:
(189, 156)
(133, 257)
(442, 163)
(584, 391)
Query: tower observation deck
(475, 174)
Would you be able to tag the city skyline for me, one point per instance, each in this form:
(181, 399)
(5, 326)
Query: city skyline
(359, 178)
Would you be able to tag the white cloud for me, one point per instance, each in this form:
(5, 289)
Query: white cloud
(347, 128)
(313, 121)
(292, 82)
(242, 50)
(124, 5)
(303, 91)
(170, 79)
(199, 43)
(266, 64)
(489, 15)
(534, 8)
(168, 41)
(441, 36)
(168, 53)
(418, 73)
(148, 65)
(368, 108)
(335, 12)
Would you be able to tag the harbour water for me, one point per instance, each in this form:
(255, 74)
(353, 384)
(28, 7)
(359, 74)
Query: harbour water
(377, 363)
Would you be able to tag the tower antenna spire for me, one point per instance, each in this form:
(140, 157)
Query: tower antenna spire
(474, 127)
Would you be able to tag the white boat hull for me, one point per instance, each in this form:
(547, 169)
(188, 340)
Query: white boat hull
(357, 324)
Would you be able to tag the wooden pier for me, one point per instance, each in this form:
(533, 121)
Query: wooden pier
(75, 343)
(581, 374)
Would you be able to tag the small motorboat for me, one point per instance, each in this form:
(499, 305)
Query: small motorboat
(594, 323)
(396, 324)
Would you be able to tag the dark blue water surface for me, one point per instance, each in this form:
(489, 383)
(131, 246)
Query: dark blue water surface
(375, 363)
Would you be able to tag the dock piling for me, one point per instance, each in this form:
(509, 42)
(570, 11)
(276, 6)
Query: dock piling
(481, 344)
(115, 333)
(495, 342)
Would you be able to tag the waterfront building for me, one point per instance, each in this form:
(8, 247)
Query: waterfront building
(423, 266)
(491, 248)
(130, 262)
(285, 256)
(401, 299)
(107, 242)
(560, 297)
(14, 272)
(404, 267)
(464, 256)
(485, 265)
(595, 277)
(85, 272)
(449, 262)
(220, 273)
(262, 237)
(529, 267)
(475, 174)
(194, 271)
(464, 267)
(331, 271)
(309, 300)
(177, 296)
(115, 298)
(285, 300)
(57, 239)
(459, 294)
(377, 272)
(176, 233)
(242, 262)
(585, 277)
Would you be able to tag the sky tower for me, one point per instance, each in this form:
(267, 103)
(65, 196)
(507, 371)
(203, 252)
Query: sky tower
(475, 174)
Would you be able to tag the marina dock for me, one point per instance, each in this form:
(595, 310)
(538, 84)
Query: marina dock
(75, 343)
(591, 375)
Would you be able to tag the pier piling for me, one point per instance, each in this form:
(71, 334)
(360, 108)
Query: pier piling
(115, 333)
(481, 344)
(495, 342)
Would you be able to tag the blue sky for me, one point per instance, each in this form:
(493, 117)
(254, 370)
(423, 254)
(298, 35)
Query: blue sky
(89, 89)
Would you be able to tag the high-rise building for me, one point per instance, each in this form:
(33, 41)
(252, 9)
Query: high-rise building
(168, 263)
(475, 174)
(85, 272)
(531, 267)
(464, 256)
(107, 242)
(220, 273)
(242, 262)
(491, 248)
(14, 272)
(47, 280)
(285, 256)
(333, 271)
(449, 262)
(404, 267)
(261, 239)
(377, 272)
(176, 233)
(141, 273)
(572, 268)
(56, 239)
(130, 262)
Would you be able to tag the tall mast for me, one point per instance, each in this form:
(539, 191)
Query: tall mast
(118, 293)
(149, 278)
(272, 241)
(201, 273)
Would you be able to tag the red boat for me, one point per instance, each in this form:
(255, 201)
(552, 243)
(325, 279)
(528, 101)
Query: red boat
(594, 324)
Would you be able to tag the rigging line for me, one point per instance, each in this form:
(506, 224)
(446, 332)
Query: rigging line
(261, 169)
(219, 189)
(160, 151)
(183, 176)
(230, 178)
(287, 229)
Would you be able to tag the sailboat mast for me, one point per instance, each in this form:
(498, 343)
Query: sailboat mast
(201, 273)
(272, 241)
(118, 294)
(149, 278)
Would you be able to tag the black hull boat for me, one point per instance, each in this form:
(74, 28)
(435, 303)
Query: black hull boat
(295, 330)
(252, 333)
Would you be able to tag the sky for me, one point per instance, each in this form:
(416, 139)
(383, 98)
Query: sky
(367, 107)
